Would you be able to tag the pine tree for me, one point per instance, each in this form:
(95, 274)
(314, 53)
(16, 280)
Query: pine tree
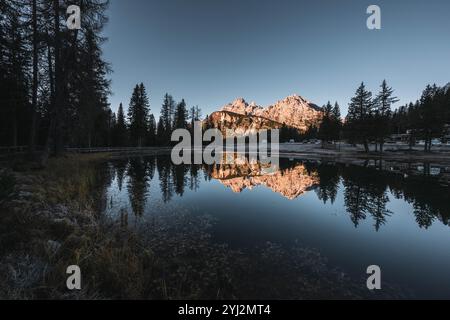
(326, 126)
(195, 114)
(359, 119)
(15, 60)
(337, 122)
(432, 114)
(151, 137)
(120, 134)
(180, 116)
(167, 112)
(383, 103)
(34, 94)
(138, 113)
(161, 136)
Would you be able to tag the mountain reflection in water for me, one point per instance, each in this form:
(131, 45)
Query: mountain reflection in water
(366, 191)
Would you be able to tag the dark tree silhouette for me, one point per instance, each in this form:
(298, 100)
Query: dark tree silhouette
(359, 117)
(138, 185)
(194, 179)
(151, 135)
(330, 127)
(138, 115)
(121, 168)
(167, 114)
(120, 133)
(383, 103)
(365, 194)
(179, 175)
(163, 165)
(329, 183)
(181, 116)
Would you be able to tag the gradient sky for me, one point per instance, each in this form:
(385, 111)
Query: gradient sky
(210, 52)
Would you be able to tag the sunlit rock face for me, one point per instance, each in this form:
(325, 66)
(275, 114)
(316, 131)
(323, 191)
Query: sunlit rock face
(240, 106)
(241, 125)
(291, 183)
(294, 111)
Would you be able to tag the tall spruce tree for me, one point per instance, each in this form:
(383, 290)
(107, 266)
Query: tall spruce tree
(326, 126)
(151, 135)
(359, 119)
(167, 112)
(181, 116)
(138, 113)
(161, 136)
(120, 138)
(337, 122)
(382, 120)
(330, 127)
(432, 114)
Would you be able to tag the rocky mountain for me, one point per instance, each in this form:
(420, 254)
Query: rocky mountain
(294, 111)
(241, 124)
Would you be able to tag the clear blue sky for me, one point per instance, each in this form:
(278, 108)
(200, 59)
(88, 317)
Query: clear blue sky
(210, 52)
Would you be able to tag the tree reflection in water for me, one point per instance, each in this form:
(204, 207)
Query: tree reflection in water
(365, 190)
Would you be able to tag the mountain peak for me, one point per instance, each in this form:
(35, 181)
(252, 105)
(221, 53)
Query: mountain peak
(294, 111)
(240, 106)
(295, 98)
(238, 101)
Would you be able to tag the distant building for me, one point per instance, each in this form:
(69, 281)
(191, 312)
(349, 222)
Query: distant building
(405, 137)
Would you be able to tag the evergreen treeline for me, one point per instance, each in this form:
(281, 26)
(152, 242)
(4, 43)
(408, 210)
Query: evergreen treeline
(53, 81)
(330, 128)
(426, 118)
(371, 119)
(139, 128)
(289, 133)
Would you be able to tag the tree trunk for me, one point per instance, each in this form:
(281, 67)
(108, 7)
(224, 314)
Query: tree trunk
(14, 126)
(57, 139)
(366, 146)
(428, 141)
(50, 132)
(35, 80)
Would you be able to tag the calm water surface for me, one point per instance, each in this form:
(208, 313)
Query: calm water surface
(354, 216)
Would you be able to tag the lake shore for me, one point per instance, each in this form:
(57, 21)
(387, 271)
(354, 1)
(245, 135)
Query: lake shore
(343, 152)
(50, 220)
